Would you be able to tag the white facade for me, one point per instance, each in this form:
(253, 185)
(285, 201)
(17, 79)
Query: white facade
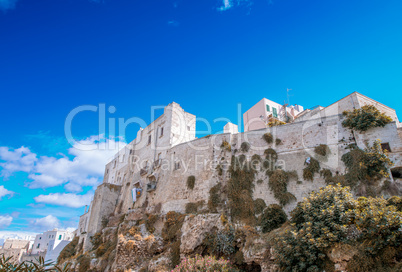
(231, 128)
(49, 240)
(258, 116)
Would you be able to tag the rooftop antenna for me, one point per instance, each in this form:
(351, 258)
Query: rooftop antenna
(288, 95)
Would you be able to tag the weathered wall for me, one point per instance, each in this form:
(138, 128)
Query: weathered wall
(103, 204)
(199, 158)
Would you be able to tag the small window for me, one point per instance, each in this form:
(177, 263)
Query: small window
(38, 246)
(188, 128)
(274, 112)
(161, 132)
(385, 146)
(114, 164)
(268, 108)
(177, 166)
(149, 139)
(40, 238)
(60, 237)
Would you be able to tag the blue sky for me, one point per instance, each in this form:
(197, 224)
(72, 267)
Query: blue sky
(208, 56)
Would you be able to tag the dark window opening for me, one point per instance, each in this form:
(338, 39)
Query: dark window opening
(396, 172)
(149, 139)
(385, 146)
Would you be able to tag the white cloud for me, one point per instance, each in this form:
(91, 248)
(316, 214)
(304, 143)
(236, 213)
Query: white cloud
(45, 223)
(227, 4)
(5, 221)
(84, 168)
(4, 192)
(7, 4)
(68, 200)
(16, 160)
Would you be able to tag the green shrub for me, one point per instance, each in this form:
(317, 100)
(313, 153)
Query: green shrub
(175, 253)
(320, 220)
(278, 183)
(150, 222)
(327, 175)
(395, 201)
(260, 181)
(365, 118)
(245, 146)
(69, 250)
(364, 167)
(226, 146)
(311, 169)
(214, 198)
(278, 141)
(221, 242)
(96, 240)
(204, 264)
(322, 150)
(268, 138)
(259, 205)
(271, 157)
(219, 169)
(240, 191)
(381, 224)
(84, 263)
(192, 207)
(272, 218)
(9, 264)
(172, 227)
(276, 122)
(190, 182)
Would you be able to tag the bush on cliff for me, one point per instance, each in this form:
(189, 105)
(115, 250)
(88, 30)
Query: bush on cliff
(273, 217)
(365, 118)
(69, 250)
(204, 264)
(332, 216)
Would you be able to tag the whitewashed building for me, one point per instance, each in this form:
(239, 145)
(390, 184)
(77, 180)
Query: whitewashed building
(51, 242)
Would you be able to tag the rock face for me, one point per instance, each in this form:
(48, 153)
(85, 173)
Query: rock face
(166, 153)
(195, 228)
(340, 254)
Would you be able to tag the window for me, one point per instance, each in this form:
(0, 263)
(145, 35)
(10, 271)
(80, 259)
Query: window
(161, 132)
(149, 139)
(188, 128)
(274, 113)
(60, 237)
(38, 246)
(40, 238)
(176, 165)
(268, 108)
(385, 146)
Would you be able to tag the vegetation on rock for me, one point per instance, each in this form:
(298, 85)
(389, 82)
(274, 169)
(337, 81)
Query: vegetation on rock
(312, 168)
(190, 182)
(272, 218)
(276, 122)
(365, 118)
(68, 251)
(240, 191)
(268, 138)
(278, 184)
(332, 216)
(244, 147)
(204, 264)
(322, 150)
(214, 198)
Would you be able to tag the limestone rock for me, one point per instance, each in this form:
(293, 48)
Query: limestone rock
(195, 229)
